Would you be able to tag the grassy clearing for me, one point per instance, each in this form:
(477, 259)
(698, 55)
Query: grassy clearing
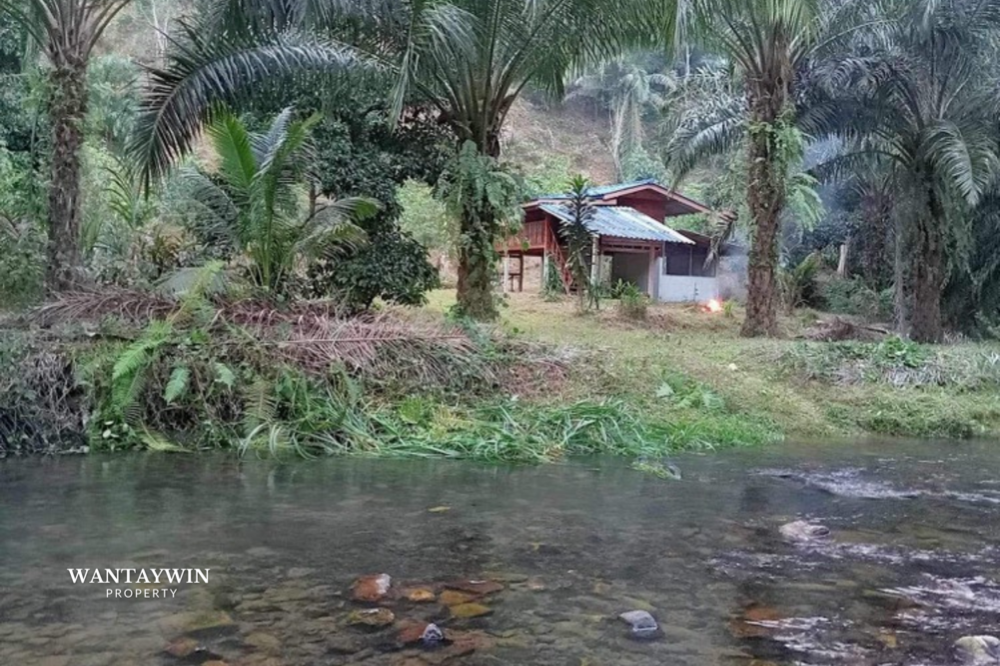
(782, 387)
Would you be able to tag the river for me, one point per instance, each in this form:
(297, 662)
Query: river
(911, 563)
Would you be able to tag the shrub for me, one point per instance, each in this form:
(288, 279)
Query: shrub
(22, 263)
(391, 266)
(798, 284)
(854, 297)
(632, 303)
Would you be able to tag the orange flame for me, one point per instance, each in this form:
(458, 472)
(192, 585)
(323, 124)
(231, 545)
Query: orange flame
(714, 305)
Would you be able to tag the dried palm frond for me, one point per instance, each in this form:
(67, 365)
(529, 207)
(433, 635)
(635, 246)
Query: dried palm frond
(131, 305)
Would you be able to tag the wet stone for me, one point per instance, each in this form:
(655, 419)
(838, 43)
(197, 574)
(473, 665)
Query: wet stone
(371, 588)
(641, 623)
(454, 598)
(374, 618)
(421, 633)
(419, 594)
(477, 587)
(470, 610)
(801, 531)
(977, 650)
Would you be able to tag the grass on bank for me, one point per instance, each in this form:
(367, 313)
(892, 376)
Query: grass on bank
(121, 370)
(782, 387)
(126, 372)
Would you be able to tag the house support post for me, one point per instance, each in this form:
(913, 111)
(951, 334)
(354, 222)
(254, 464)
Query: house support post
(595, 261)
(506, 271)
(653, 281)
(545, 268)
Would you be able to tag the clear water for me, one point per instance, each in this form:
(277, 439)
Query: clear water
(912, 565)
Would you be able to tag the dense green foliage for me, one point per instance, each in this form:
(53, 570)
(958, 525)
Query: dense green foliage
(241, 211)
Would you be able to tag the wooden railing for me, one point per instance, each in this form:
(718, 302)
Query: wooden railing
(558, 258)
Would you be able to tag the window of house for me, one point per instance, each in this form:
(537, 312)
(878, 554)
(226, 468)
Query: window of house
(686, 260)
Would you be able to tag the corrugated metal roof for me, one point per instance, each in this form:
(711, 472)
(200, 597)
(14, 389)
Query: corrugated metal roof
(602, 190)
(622, 222)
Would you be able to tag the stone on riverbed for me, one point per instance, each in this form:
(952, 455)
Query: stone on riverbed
(371, 588)
(470, 610)
(801, 531)
(374, 617)
(641, 622)
(477, 587)
(976, 650)
(423, 633)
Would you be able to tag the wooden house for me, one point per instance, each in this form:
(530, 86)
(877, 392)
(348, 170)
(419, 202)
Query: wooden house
(630, 235)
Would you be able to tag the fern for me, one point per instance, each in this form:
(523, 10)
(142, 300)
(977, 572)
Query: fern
(225, 375)
(154, 441)
(177, 385)
(259, 406)
(128, 375)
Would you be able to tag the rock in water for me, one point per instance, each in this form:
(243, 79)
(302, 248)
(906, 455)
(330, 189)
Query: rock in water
(802, 531)
(976, 650)
(642, 623)
(372, 617)
(432, 635)
(371, 588)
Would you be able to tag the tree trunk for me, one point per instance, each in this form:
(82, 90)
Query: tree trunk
(928, 271)
(67, 113)
(477, 256)
(765, 199)
(902, 291)
(873, 241)
(476, 266)
(842, 261)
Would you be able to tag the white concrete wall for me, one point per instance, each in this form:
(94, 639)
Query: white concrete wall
(682, 288)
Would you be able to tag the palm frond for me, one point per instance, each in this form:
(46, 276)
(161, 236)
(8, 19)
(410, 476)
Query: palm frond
(203, 72)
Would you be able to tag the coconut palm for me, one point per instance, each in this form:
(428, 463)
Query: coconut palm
(68, 31)
(470, 59)
(257, 196)
(914, 97)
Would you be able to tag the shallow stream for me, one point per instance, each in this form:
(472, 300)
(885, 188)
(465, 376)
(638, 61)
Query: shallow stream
(910, 566)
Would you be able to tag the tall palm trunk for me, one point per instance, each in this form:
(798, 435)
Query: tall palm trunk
(476, 265)
(67, 113)
(928, 271)
(476, 254)
(765, 199)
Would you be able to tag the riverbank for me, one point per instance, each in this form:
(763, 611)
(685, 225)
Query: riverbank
(690, 367)
(126, 370)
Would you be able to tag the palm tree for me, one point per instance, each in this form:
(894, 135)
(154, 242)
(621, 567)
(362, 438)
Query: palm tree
(68, 31)
(627, 90)
(469, 59)
(915, 98)
(767, 40)
(257, 200)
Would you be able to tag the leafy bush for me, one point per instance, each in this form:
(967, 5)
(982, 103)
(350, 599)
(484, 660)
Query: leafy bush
(798, 284)
(22, 263)
(632, 303)
(391, 266)
(854, 297)
(255, 201)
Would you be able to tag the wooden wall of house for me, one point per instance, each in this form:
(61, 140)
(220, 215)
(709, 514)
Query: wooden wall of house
(651, 204)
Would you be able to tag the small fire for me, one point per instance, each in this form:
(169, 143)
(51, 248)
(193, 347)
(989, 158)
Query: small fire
(714, 305)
